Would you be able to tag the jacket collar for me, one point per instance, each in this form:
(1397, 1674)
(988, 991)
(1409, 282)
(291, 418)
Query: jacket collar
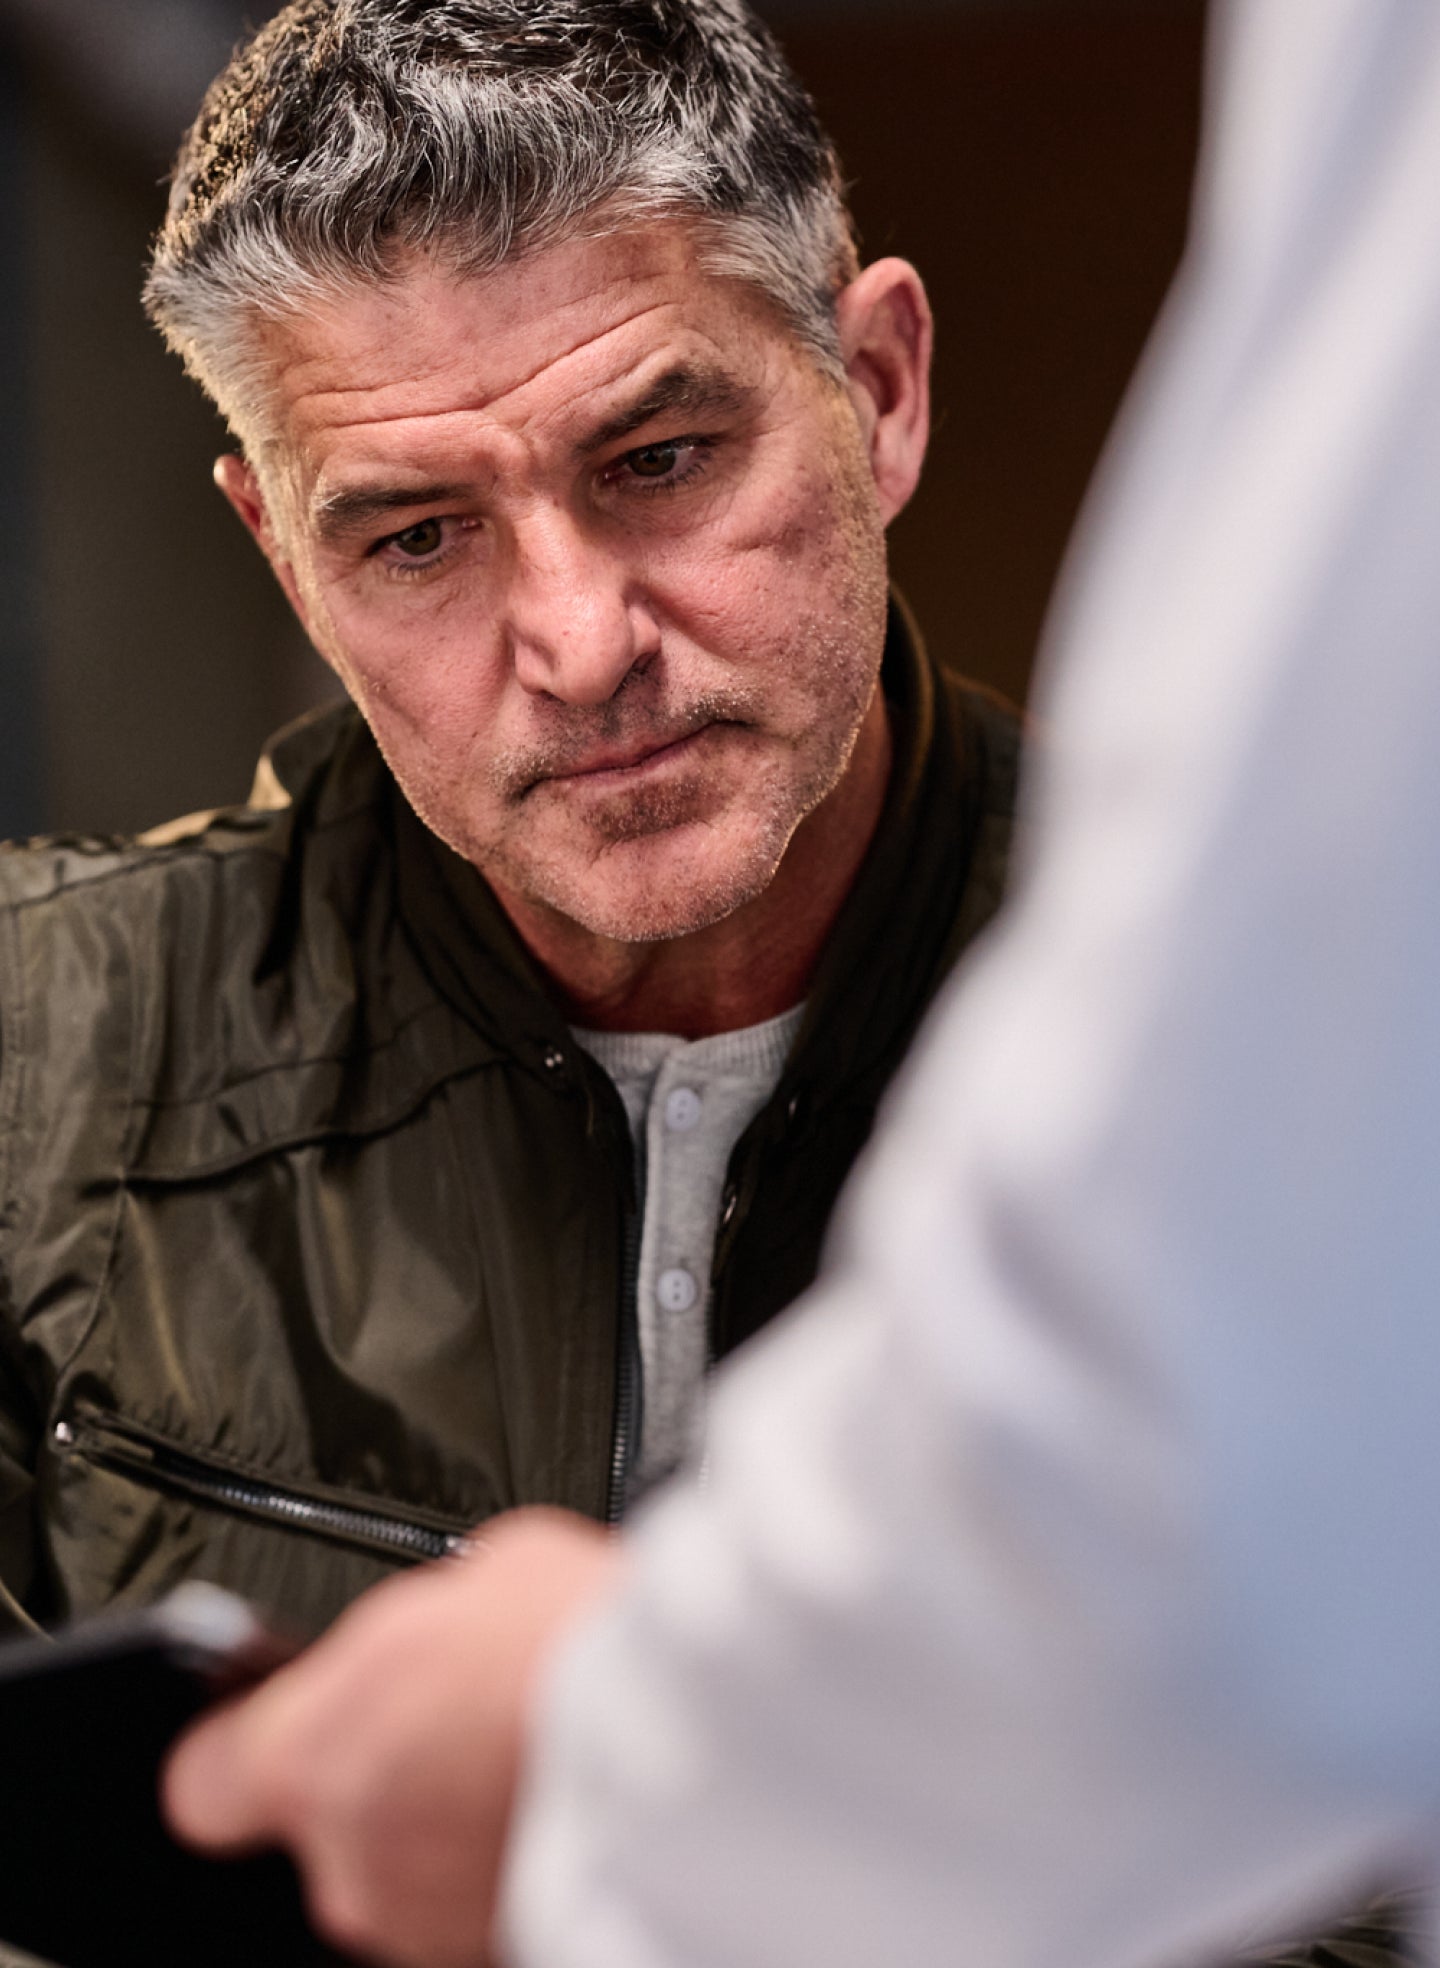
(890, 945)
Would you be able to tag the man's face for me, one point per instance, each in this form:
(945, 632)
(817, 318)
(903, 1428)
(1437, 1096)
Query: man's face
(598, 553)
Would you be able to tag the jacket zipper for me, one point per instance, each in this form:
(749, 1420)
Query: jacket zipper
(627, 1374)
(112, 1445)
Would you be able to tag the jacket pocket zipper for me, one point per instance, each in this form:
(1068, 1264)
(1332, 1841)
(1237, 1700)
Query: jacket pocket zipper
(113, 1445)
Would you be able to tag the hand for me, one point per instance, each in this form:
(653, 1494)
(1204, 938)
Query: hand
(385, 1757)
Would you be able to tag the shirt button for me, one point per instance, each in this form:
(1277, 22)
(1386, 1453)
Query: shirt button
(682, 1109)
(677, 1290)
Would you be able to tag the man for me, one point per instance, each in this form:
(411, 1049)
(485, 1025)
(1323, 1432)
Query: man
(362, 1152)
(1064, 1588)
(571, 427)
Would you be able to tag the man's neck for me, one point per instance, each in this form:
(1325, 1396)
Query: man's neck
(756, 962)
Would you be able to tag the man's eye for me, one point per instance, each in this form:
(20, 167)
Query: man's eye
(426, 537)
(655, 461)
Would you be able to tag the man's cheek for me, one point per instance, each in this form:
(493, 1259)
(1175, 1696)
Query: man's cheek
(784, 532)
(738, 595)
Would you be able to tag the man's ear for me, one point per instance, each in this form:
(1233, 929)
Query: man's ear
(237, 480)
(886, 337)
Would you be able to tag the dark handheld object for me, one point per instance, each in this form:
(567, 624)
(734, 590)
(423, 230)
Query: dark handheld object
(89, 1876)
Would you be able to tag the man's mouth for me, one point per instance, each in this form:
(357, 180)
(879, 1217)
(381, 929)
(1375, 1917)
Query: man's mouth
(600, 761)
(620, 762)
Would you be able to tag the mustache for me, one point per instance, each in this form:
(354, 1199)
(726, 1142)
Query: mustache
(579, 732)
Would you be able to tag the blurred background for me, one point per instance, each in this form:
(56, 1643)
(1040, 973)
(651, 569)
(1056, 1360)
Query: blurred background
(1032, 156)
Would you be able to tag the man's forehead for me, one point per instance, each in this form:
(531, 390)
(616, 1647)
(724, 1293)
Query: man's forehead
(545, 335)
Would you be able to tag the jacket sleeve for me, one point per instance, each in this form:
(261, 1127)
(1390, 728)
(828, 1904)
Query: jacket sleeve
(18, 1436)
(1064, 1587)
(17, 1492)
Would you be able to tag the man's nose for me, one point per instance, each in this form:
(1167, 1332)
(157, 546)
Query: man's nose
(577, 620)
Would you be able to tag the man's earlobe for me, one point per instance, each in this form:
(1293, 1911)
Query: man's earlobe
(886, 338)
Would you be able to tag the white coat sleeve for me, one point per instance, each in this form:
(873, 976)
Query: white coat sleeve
(1065, 1588)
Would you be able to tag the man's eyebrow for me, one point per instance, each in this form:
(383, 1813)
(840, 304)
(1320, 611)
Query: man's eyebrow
(679, 392)
(336, 515)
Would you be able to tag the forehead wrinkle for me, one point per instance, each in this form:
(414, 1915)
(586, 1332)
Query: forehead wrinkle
(311, 425)
(580, 351)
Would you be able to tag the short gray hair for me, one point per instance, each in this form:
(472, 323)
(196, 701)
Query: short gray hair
(348, 131)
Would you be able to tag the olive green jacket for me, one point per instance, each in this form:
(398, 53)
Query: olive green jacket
(313, 1216)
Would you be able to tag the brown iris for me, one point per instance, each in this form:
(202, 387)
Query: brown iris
(655, 461)
(426, 537)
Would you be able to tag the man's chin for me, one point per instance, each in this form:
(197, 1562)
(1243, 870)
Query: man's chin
(655, 891)
(649, 918)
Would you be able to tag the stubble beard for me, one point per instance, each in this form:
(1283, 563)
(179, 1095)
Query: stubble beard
(599, 875)
(646, 868)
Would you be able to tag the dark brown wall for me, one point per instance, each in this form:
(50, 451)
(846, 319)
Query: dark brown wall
(168, 649)
(1037, 171)
(1034, 166)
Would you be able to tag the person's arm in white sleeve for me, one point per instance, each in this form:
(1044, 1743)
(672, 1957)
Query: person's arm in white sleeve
(1063, 1589)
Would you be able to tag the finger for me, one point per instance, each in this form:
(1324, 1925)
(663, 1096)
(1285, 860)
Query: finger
(224, 1790)
(212, 1790)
